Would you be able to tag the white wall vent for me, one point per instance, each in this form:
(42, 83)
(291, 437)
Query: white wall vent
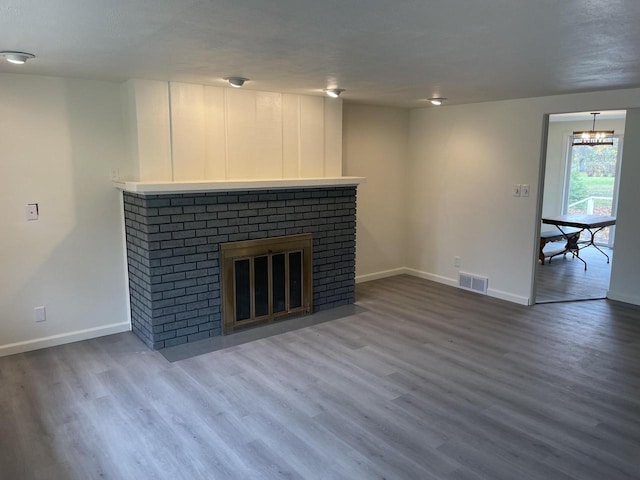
(473, 283)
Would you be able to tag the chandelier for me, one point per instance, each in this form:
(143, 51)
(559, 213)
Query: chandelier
(593, 137)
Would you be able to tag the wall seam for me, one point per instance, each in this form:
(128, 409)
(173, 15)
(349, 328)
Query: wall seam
(171, 131)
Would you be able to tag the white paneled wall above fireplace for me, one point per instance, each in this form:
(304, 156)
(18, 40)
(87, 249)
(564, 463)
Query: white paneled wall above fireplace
(186, 132)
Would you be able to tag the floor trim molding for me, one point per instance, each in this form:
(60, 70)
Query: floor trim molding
(633, 300)
(509, 297)
(452, 282)
(62, 338)
(378, 275)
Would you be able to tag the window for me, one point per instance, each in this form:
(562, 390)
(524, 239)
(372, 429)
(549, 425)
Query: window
(591, 182)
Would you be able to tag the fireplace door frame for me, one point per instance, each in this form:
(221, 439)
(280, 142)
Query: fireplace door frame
(234, 252)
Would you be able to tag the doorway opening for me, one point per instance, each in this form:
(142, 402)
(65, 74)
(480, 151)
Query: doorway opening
(578, 209)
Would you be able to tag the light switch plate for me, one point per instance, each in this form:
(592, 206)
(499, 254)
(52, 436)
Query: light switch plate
(516, 190)
(524, 190)
(31, 211)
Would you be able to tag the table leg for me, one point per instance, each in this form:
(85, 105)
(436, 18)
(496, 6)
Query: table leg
(572, 245)
(592, 243)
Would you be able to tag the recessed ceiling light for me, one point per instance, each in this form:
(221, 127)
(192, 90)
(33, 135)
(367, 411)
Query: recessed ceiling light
(334, 92)
(17, 57)
(437, 100)
(236, 82)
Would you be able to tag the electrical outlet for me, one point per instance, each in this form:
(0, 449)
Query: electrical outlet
(515, 191)
(31, 211)
(457, 261)
(524, 190)
(114, 173)
(40, 313)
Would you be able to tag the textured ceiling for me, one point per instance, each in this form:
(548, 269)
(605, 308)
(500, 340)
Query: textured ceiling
(382, 52)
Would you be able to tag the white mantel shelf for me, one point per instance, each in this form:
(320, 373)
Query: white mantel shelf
(159, 188)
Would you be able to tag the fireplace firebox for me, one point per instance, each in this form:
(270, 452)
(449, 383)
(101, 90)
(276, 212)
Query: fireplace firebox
(265, 280)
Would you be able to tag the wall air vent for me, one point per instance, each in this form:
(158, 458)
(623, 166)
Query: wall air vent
(473, 283)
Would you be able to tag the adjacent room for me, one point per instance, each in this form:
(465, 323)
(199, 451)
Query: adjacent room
(582, 178)
(255, 240)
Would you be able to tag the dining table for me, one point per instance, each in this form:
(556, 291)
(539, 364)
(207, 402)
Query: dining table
(585, 222)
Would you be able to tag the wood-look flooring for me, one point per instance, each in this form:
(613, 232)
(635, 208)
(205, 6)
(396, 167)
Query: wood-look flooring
(565, 279)
(429, 382)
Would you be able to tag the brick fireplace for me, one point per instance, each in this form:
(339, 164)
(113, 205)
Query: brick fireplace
(173, 251)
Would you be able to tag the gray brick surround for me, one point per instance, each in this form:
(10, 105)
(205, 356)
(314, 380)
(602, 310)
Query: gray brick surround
(173, 252)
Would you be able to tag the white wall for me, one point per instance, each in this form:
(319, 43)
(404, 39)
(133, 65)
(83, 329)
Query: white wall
(557, 144)
(448, 193)
(463, 163)
(60, 138)
(375, 142)
(186, 132)
(625, 271)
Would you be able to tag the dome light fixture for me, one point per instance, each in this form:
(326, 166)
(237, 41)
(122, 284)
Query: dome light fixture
(236, 82)
(17, 58)
(334, 92)
(437, 100)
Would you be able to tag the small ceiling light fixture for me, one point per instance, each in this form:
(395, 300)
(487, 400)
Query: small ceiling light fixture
(592, 137)
(334, 92)
(437, 100)
(17, 57)
(236, 82)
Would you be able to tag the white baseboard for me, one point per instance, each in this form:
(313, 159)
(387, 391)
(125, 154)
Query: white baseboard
(509, 297)
(452, 282)
(60, 339)
(634, 300)
(378, 275)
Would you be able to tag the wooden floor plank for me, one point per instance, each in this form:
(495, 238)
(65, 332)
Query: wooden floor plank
(423, 381)
(565, 279)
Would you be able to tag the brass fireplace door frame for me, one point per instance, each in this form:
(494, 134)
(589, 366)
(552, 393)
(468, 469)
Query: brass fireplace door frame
(232, 252)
